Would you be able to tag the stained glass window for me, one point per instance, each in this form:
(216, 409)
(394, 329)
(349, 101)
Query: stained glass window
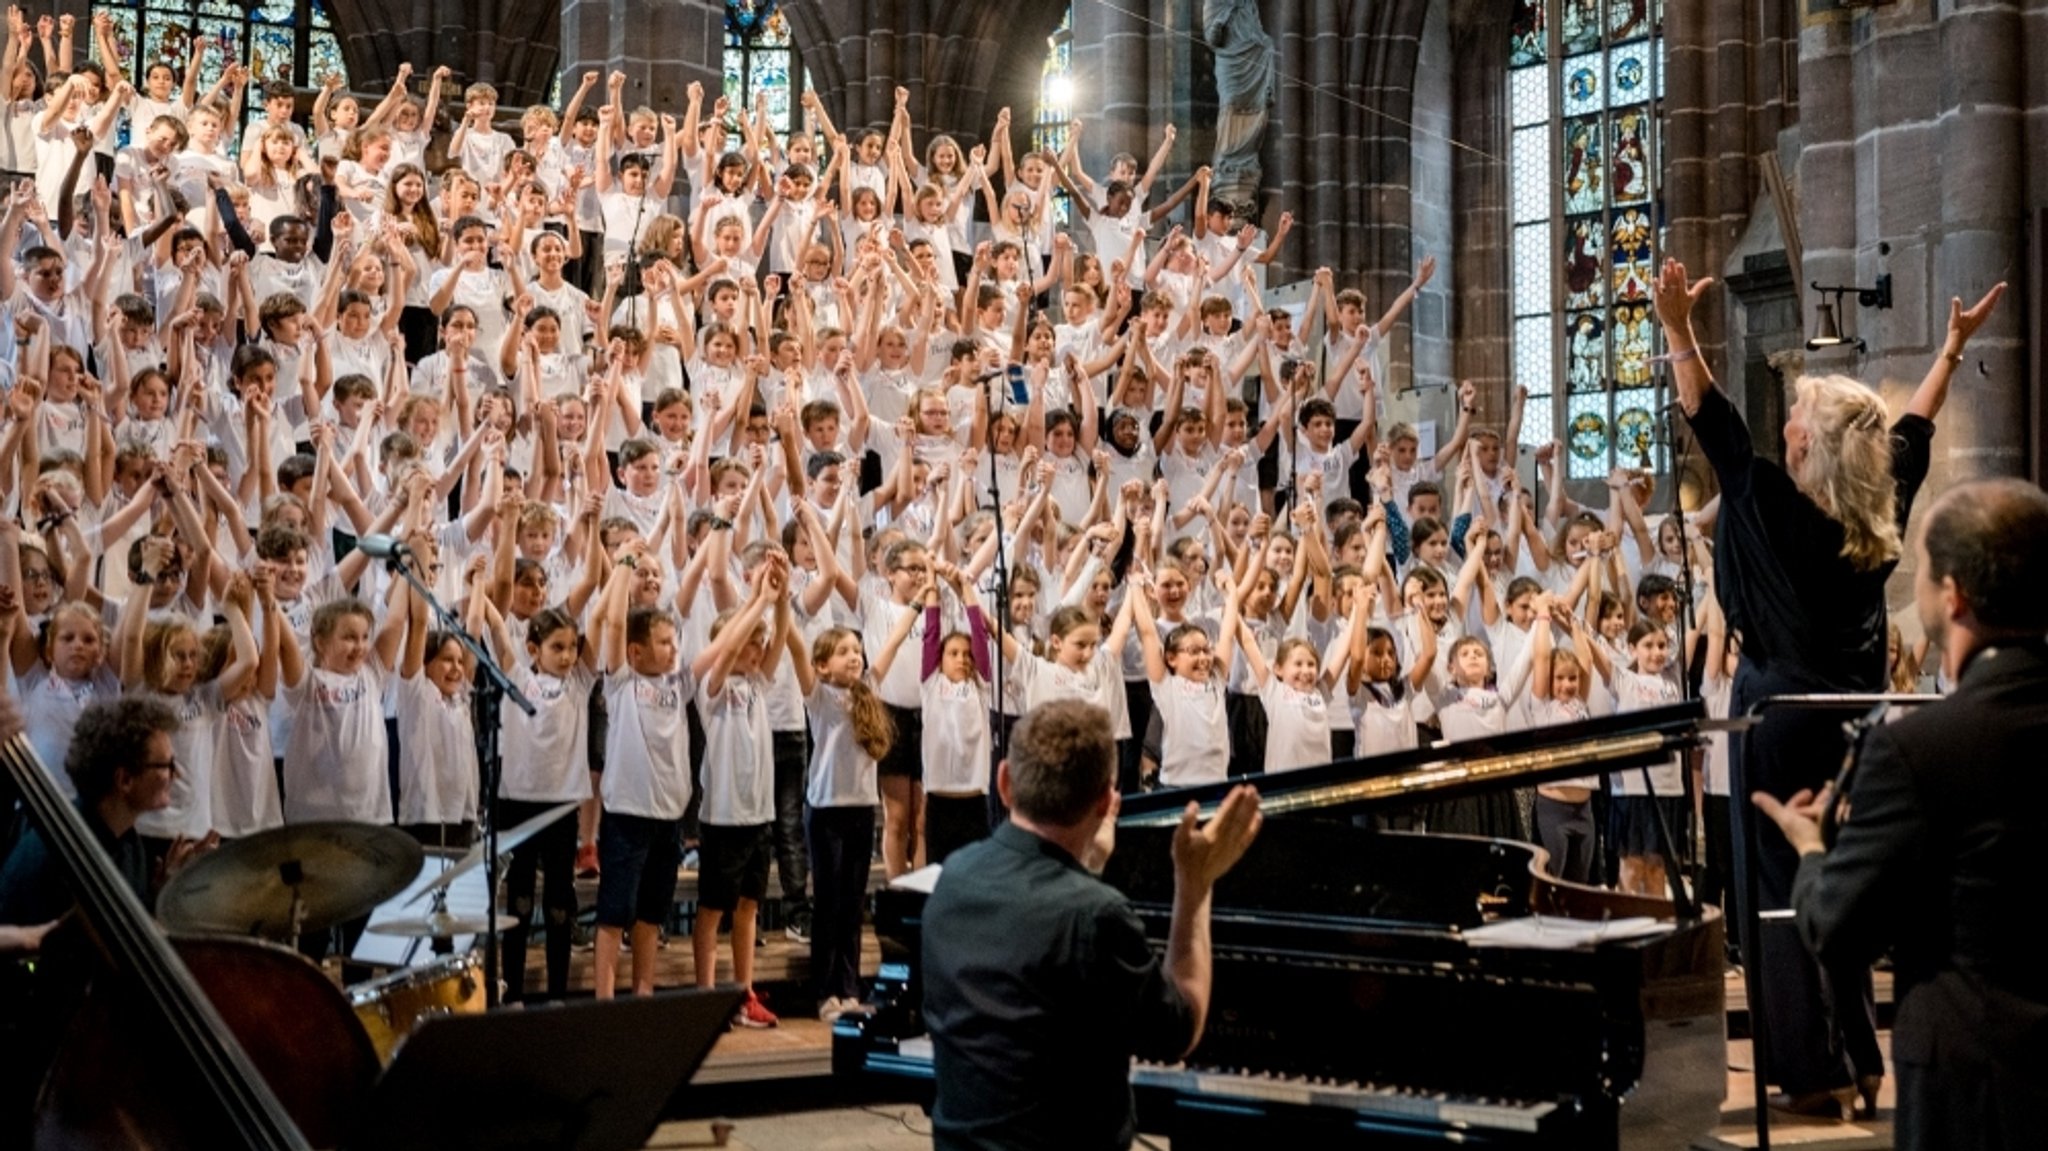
(1584, 91)
(289, 40)
(1054, 113)
(761, 63)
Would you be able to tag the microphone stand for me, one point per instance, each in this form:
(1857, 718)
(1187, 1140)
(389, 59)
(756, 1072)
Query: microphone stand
(487, 693)
(1001, 735)
(1683, 905)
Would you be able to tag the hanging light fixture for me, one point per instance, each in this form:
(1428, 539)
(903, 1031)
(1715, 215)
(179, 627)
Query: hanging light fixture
(1827, 328)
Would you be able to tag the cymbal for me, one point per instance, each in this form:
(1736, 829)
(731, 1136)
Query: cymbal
(440, 925)
(339, 870)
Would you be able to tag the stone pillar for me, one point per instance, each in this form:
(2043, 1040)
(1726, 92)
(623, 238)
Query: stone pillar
(1480, 307)
(1977, 146)
(1112, 83)
(511, 44)
(661, 46)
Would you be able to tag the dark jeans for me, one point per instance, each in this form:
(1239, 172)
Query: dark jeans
(552, 854)
(842, 846)
(792, 758)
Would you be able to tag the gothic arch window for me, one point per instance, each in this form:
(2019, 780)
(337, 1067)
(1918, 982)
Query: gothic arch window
(1055, 108)
(1585, 90)
(290, 40)
(761, 60)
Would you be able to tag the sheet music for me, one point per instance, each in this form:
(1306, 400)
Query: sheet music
(466, 897)
(1554, 933)
(925, 879)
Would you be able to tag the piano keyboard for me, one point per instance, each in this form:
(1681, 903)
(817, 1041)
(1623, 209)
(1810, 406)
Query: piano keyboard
(1410, 1105)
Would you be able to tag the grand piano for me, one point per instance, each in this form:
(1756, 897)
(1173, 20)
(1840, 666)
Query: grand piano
(1357, 1000)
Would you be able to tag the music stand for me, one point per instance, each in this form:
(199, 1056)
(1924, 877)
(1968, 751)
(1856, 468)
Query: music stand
(591, 1076)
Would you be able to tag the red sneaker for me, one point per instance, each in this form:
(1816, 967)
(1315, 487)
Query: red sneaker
(753, 1013)
(586, 861)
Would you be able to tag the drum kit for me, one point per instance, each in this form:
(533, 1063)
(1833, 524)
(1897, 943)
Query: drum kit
(280, 884)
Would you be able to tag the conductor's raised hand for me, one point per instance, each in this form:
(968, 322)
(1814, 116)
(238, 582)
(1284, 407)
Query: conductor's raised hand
(1676, 296)
(1203, 854)
(1964, 322)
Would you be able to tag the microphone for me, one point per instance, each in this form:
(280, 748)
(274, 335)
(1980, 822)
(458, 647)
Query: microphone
(382, 547)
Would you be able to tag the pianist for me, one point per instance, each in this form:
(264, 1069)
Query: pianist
(1938, 854)
(1039, 984)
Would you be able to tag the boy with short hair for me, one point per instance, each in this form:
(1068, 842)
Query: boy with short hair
(279, 98)
(477, 141)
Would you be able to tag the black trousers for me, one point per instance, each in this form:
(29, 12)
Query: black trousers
(951, 822)
(842, 846)
(551, 854)
(1246, 718)
(792, 759)
(1566, 831)
(1130, 753)
(1821, 1023)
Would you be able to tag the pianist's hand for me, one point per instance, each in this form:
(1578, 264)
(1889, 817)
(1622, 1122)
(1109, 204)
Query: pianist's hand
(1202, 855)
(1798, 817)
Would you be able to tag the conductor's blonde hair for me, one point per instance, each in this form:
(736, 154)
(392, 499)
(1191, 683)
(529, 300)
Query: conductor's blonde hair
(1848, 467)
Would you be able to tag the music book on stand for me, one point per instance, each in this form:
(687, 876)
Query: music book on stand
(577, 1077)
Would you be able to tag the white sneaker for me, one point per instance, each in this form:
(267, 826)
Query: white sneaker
(834, 1007)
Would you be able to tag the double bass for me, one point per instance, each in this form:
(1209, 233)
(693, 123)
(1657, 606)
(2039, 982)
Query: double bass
(204, 1042)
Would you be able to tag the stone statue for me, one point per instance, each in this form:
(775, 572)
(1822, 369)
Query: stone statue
(1244, 92)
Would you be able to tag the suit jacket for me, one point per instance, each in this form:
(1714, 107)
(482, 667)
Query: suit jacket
(1943, 857)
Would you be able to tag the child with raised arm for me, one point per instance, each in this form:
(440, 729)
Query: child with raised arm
(738, 812)
(1558, 685)
(1187, 688)
(850, 729)
(646, 778)
(954, 690)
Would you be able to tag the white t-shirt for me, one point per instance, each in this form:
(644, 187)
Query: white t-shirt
(245, 795)
(335, 759)
(1634, 691)
(195, 744)
(842, 773)
(50, 707)
(1194, 740)
(739, 756)
(956, 736)
(437, 774)
(547, 755)
(1101, 683)
(1297, 726)
(647, 746)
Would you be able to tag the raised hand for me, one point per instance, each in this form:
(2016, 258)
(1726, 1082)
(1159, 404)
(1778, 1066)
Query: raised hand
(1675, 296)
(1204, 853)
(1962, 324)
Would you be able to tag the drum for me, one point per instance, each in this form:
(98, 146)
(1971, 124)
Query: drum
(393, 1005)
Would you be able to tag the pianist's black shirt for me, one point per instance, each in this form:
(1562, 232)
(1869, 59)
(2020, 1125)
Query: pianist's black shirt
(1039, 986)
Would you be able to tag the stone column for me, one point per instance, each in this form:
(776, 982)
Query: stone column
(1977, 148)
(1480, 307)
(661, 46)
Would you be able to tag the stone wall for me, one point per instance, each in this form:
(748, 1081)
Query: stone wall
(1915, 162)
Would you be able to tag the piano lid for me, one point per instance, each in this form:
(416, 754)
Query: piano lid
(1444, 771)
